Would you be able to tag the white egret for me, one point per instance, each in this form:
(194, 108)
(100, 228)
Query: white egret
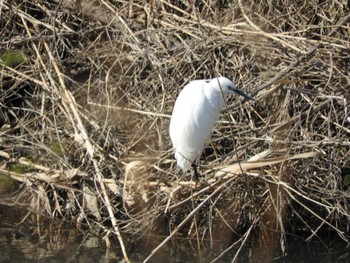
(194, 115)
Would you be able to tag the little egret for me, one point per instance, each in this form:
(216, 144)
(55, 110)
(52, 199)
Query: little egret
(196, 109)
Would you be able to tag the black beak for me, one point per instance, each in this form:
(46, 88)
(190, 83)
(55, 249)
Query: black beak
(239, 92)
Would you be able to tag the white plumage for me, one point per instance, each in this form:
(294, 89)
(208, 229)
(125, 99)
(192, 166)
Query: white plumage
(194, 115)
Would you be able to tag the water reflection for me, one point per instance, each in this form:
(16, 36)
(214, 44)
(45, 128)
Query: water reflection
(26, 243)
(70, 246)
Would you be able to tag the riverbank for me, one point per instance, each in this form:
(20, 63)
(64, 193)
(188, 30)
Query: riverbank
(87, 90)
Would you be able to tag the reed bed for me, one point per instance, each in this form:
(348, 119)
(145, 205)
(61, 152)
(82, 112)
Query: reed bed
(87, 90)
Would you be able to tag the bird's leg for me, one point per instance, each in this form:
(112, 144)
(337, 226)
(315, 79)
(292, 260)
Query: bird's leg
(195, 171)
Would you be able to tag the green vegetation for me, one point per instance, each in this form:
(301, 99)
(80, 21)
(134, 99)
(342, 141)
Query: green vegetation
(13, 58)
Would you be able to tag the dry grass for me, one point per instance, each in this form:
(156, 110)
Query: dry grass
(86, 115)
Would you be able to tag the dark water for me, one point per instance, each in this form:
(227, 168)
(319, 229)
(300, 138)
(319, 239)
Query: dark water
(21, 245)
(31, 243)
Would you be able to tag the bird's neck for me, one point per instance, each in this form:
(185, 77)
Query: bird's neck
(215, 97)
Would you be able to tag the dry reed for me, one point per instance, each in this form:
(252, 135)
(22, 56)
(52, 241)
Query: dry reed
(86, 115)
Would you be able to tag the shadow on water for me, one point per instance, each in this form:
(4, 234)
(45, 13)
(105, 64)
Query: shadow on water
(64, 243)
(53, 243)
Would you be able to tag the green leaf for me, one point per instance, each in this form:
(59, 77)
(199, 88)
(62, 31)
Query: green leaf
(59, 148)
(19, 169)
(346, 180)
(13, 58)
(6, 182)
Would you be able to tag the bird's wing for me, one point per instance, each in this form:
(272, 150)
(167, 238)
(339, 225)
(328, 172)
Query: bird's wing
(192, 120)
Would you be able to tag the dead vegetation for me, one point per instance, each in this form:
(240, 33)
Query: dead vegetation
(85, 116)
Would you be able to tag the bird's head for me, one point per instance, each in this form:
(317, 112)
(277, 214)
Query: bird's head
(227, 87)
